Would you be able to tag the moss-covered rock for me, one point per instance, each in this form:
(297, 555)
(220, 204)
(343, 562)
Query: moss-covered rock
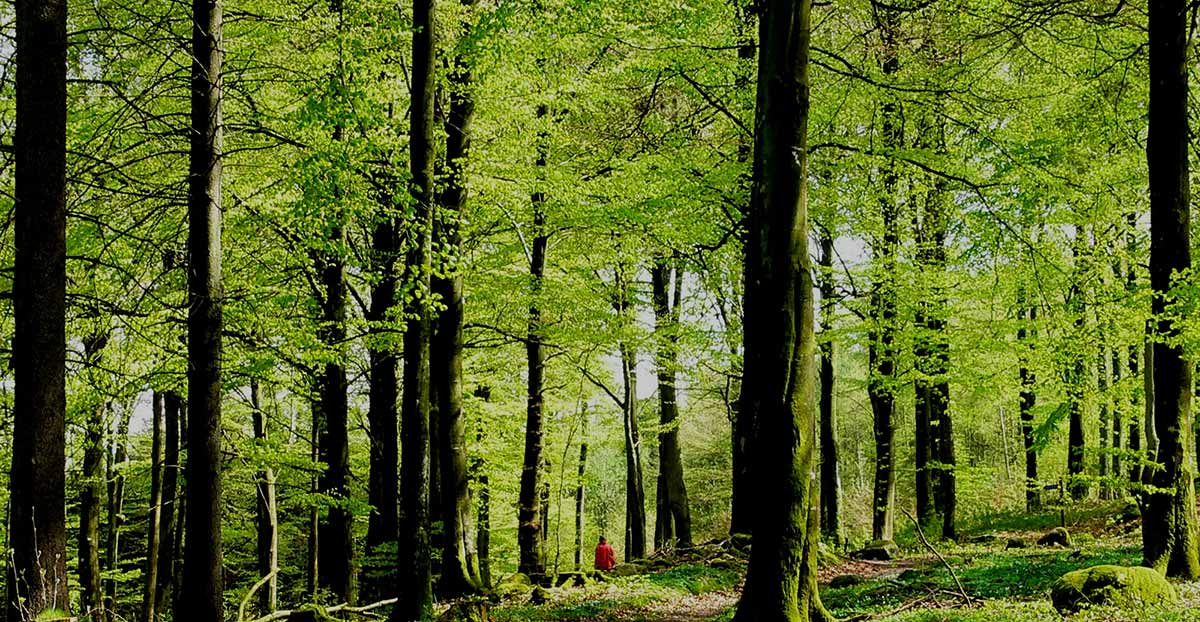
(571, 579)
(1059, 536)
(1016, 543)
(539, 596)
(627, 570)
(878, 550)
(741, 541)
(1131, 587)
(513, 585)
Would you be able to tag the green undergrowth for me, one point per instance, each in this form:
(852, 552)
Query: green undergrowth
(986, 572)
(622, 597)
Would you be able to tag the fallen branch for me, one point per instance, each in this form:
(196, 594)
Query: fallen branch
(285, 613)
(254, 588)
(954, 575)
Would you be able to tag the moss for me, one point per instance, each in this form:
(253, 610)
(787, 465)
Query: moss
(1111, 585)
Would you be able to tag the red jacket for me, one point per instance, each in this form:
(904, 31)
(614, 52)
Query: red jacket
(606, 558)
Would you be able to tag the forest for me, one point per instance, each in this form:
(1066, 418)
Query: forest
(814, 310)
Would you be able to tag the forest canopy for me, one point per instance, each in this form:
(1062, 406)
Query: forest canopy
(372, 309)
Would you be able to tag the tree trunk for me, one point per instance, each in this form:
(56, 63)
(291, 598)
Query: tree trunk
(673, 502)
(414, 579)
(382, 415)
(1026, 331)
(116, 511)
(529, 523)
(580, 490)
(781, 583)
(312, 569)
(91, 600)
(635, 494)
(266, 521)
(1169, 524)
(37, 564)
(203, 598)
(460, 574)
(335, 555)
(154, 518)
(172, 406)
(1102, 390)
(831, 479)
(882, 354)
(1077, 376)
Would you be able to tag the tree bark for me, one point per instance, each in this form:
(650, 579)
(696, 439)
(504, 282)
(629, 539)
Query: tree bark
(831, 478)
(1028, 397)
(203, 599)
(460, 574)
(335, 555)
(781, 583)
(37, 564)
(382, 415)
(882, 354)
(266, 520)
(154, 517)
(580, 489)
(415, 589)
(635, 494)
(529, 521)
(673, 511)
(118, 458)
(1169, 524)
(172, 406)
(1077, 376)
(91, 600)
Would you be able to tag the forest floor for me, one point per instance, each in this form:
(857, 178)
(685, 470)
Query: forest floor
(994, 583)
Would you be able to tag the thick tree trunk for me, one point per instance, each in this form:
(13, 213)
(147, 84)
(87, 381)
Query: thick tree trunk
(882, 352)
(529, 522)
(1169, 523)
(414, 577)
(335, 555)
(91, 599)
(781, 583)
(673, 510)
(460, 574)
(831, 479)
(37, 563)
(154, 517)
(382, 415)
(266, 521)
(168, 543)
(202, 573)
(1028, 397)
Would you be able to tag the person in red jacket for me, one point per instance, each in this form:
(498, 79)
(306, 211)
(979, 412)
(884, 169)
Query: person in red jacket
(606, 558)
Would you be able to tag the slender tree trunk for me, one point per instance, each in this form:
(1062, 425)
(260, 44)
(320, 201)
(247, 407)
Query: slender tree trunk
(1149, 427)
(938, 398)
(1025, 332)
(831, 478)
(483, 531)
(414, 577)
(580, 489)
(91, 600)
(1102, 389)
(154, 517)
(203, 599)
(312, 559)
(673, 502)
(382, 415)
(529, 523)
(168, 545)
(116, 511)
(1169, 524)
(266, 521)
(635, 494)
(781, 583)
(882, 354)
(1077, 376)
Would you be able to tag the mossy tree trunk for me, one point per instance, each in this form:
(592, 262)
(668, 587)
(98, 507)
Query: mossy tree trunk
(781, 584)
(674, 522)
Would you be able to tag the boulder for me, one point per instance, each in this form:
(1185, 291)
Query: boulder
(1059, 536)
(723, 561)
(571, 579)
(1016, 543)
(741, 541)
(539, 596)
(1121, 586)
(879, 550)
(845, 580)
(627, 570)
(513, 585)
(913, 575)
